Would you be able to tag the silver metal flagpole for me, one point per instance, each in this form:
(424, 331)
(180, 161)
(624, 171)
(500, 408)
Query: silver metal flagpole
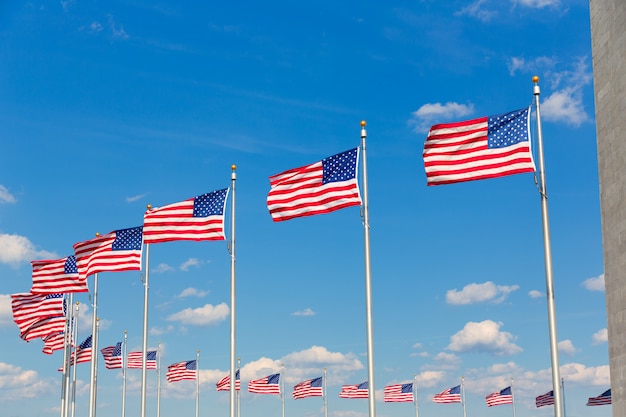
(144, 372)
(233, 259)
(74, 336)
(282, 389)
(197, 381)
(512, 398)
(368, 280)
(238, 392)
(67, 337)
(324, 395)
(554, 350)
(124, 359)
(159, 380)
(563, 390)
(95, 381)
(463, 395)
(415, 393)
(94, 347)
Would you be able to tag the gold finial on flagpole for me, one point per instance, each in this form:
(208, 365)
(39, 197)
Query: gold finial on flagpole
(233, 167)
(363, 123)
(97, 234)
(149, 206)
(535, 79)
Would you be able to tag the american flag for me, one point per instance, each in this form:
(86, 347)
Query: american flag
(318, 188)
(112, 356)
(354, 391)
(135, 360)
(602, 399)
(198, 218)
(82, 353)
(451, 395)
(486, 147)
(545, 399)
(224, 383)
(58, 275)
(399, 393)
(308, 388)
(181, 371)
(119, 250)
(53, 342)
(30, 308)
(267, 385)
(504, 396)
(43, 328)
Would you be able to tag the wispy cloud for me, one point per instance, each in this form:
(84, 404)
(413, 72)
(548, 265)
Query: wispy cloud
(191, 262)
(6, 196)
(432, 113)
(565, 102)
(305, 312)
(192, 292)
(117, 30)
(135, 198)
(535, 294)
(162, 267)
(479, 293)
(478, 10)
(538, 4)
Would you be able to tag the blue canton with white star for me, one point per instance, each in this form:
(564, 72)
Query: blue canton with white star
(507, 129)
(209, 204)
(70, 265)
(340, 167)
(128, 239)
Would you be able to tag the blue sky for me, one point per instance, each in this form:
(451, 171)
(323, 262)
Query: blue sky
(106, 107)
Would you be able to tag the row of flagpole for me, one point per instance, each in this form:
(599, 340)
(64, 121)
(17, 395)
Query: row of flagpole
(368, 293)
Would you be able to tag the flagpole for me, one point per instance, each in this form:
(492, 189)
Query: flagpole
(159, 380)
(95, 379)
(144, 373)
(75, 336)
(67, 337)
(124, 359)
(512, 398)
(94, 346)
(563, 389)
(554, 351)
(463, 394)
(233, 259)
(325, 397)
(282, 389)
(197, 380)
(415, 392)
(368, 281)
(238, 393)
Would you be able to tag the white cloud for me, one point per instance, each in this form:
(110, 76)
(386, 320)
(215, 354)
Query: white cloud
(6, 313)
(594, 284)
(417, 346)
(601, 336)
(430, 378)
(432, 113)
(202, 316)
(566, 347)
(308, 362)
(477, 293)
(189, 263)
(484, 337)
(117, 30)
(192, 292)
(538, 4)
(305, 312)
(17, 383)
(95, 27)
(565, 102)
(162, 267)
(6, 196)
(535, 294)
(478, 10)
(134, 198)
(594, 375)
(158, 331)
(15, 249)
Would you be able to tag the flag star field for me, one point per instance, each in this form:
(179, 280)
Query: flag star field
(155, 121)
